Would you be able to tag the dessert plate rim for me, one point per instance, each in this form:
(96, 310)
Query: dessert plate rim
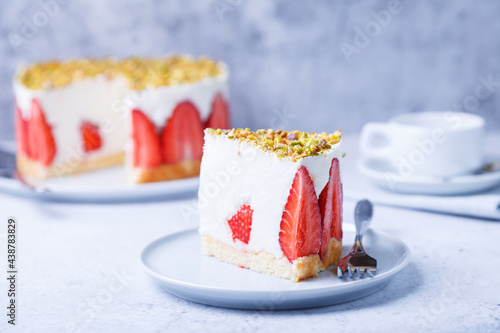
(458, 185)
(79, 188)
(324, 294)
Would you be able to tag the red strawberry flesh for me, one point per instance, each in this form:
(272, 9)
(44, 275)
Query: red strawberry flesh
(147, 150)
(41, 141)
(241, 223)
(22, 138)
(219, 115)
(90, 136)
(301, 220)
(182, 136)
(330, 204)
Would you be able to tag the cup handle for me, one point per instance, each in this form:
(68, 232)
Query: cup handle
(366, 147)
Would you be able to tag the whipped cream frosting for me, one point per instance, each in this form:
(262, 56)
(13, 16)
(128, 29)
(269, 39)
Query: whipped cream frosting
(234, 173)
(107, 102)
(159, 103)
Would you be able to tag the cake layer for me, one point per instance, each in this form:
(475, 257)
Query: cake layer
(32, 168)
(179, 170)
(333, 255)
(263, 262)
(237, 172)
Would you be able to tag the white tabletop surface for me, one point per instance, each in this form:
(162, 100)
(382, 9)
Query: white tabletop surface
(79, 271)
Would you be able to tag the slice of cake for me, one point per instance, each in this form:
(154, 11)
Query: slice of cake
(271, 201)
(82, 115)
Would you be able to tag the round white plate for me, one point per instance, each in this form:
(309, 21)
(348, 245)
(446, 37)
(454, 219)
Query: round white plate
(102, 185)
(177, 263)
(388, 180)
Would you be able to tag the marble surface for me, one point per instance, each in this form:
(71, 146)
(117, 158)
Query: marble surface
(310, 65)
(79, 271)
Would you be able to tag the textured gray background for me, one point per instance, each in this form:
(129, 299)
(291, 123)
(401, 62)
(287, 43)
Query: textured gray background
(285, 56)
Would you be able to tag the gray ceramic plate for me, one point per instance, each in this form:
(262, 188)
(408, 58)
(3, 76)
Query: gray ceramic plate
(176, 262)
(458, 185)
(106, 185)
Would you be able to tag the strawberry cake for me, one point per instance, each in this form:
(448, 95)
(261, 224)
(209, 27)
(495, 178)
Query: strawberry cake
(271, 201)
(86, 114)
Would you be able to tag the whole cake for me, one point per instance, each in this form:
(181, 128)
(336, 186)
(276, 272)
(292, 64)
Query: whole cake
(271, 201)
(87, 114)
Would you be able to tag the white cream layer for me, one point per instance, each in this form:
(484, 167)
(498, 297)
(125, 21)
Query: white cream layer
(159, 103)
(107, 103)
(234, 173)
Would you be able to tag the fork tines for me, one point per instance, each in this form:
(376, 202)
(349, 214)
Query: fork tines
(359, 272)
(357, 264)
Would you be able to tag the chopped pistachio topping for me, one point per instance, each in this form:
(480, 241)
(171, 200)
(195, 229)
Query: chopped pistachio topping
(293, 145)
(141, 73)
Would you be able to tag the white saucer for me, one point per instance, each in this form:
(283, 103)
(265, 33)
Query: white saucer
(176, 262)
(390, 180)
(102, 185)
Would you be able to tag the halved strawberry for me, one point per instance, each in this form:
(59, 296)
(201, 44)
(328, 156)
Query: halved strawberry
(241, 223)
(301, 220)
(182, 136)
(22, 135)
(41, 141)
(147, 151)
(219, 116)
(90, 136)
(330, 204)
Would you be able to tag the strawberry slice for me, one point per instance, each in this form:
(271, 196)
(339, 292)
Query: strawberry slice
(22, 138)
(219, 116)
(147, 150)
(330, 204)
(301, 220)
(41, 141)
(182, 136)
(241, 224)
(90, 136)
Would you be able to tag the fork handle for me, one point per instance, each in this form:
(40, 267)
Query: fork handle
(361, 227)
(358, 246)
(362, 218)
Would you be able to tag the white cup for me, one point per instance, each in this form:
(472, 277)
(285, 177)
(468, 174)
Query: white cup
(436, 144)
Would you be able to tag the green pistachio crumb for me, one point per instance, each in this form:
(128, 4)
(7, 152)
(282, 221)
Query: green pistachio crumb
(292, 145)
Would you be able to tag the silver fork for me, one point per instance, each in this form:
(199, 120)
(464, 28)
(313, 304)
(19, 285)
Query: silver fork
(357, 263)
